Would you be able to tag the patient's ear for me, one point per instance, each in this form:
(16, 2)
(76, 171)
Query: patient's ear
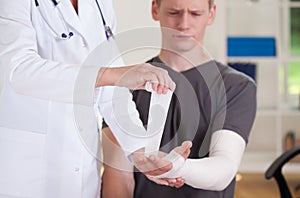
(154, 10)
(212, 14)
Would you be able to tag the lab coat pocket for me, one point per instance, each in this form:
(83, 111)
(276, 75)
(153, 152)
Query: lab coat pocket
(22, 162)
(23, 113)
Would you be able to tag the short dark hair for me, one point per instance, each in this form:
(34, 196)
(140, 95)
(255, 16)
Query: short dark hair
(210, 2)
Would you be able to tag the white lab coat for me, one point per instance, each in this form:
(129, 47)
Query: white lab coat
(41, 154)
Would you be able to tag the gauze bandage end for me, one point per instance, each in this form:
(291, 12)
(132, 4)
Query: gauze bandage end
(177, 161)
(158, 111)
(148, 86)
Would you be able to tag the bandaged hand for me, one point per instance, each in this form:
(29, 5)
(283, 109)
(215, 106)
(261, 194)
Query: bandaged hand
(177, 163)
(163, 165)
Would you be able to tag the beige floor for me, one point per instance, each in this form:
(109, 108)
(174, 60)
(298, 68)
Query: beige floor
(256, 186)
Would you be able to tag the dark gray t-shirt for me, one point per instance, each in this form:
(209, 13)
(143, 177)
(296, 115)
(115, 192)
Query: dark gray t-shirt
(209, 97)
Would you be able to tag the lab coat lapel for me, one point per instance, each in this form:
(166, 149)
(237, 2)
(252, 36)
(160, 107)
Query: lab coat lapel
(89, 16)
(70, 16)
(47, 11)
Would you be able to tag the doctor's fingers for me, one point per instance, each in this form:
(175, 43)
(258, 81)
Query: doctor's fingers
(160, 79)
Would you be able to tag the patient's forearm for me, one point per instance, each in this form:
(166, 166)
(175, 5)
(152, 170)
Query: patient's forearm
(216, 171)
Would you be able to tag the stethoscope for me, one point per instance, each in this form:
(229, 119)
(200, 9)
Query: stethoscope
(68, 34)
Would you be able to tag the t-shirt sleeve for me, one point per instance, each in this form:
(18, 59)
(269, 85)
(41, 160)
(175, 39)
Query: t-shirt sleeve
(239, 111)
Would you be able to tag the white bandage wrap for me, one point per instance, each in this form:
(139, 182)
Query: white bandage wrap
(216, 171)
(158, 111)
(120, 113)
(177, 162)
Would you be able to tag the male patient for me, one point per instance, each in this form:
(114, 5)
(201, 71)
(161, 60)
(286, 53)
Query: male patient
(213, 106)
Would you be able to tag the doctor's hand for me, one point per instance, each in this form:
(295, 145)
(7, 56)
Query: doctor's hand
(153, 166)
(136, 76)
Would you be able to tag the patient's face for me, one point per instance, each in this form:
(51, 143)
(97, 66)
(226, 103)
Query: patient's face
(183, 21)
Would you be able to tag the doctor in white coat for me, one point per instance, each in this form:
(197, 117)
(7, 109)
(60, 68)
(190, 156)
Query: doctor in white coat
(42, 44)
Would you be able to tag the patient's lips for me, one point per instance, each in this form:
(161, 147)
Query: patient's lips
(183, 36)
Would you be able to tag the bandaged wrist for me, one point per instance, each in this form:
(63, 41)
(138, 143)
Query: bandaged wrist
(214, 172)
(178, 163)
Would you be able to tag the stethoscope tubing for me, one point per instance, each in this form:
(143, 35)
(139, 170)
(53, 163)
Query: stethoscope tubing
(54, 2)
(108, 31)
(37, 2)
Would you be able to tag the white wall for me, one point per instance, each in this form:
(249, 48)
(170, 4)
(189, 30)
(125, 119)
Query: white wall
(133, 13)
(215, 38)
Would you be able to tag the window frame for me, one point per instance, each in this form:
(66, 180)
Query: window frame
(285, 51)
